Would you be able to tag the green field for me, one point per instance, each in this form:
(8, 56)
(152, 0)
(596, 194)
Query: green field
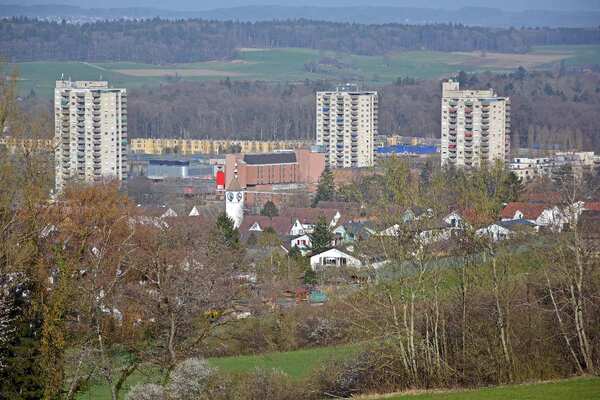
(289, 65)
(569, 389)
(297, 364)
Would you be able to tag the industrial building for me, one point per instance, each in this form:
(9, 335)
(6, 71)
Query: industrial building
(273, 176)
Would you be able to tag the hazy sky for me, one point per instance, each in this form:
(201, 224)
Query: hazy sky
(198, 5)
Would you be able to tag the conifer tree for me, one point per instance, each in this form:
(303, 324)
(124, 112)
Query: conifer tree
(326, 188)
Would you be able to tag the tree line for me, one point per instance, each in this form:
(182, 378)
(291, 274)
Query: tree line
(549, 109)
(159, 41)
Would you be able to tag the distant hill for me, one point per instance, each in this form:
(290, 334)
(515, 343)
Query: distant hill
(203, 5)
(474, 16)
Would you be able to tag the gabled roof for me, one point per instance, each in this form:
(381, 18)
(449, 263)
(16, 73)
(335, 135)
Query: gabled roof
(234, 185)
(334, 250)
(287, 157)
(529, 211)
(364, 229)
(309, 215)
(281, 225)
(517, 224)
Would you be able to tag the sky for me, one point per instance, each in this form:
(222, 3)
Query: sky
(199, 5)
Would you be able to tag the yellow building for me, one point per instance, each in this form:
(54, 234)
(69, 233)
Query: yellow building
(208, 146)
(12, 144)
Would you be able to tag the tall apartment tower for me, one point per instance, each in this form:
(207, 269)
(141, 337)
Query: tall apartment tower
(475, 126)
(90, 132)
(347, 122)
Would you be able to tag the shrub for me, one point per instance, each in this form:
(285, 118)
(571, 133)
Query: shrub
(189, 380)
(269, 385)
(146, 391)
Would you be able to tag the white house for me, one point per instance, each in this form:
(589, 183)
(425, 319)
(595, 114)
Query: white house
(302, 242)
(304, 223)
(507, 229)
(170, 213)
(298, 228)
(541, 215)
(333, 258)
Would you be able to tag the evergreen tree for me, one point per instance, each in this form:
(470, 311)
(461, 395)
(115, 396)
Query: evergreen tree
(229, 234)
(321, 237)
(326, 187)
(269, 210)
(310, 276)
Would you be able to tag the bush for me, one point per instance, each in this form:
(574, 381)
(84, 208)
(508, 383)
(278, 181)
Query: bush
(190, 379)
(269, 385)
(321, 331)
(376, 369)
(146, 391)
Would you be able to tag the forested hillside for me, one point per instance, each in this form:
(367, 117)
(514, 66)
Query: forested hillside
(160, 41)
(548, 108)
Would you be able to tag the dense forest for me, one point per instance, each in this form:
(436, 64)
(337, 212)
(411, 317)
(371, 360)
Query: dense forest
(549, 108)
(159, 41)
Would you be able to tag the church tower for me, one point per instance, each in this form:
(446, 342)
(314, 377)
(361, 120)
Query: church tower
(234, 201)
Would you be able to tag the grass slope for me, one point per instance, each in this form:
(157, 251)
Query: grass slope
(568, 389)
(297, 364)
(288, 64)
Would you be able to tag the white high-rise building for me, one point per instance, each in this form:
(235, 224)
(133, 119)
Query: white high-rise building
(475, 126)
(347, 122)
(90, 132)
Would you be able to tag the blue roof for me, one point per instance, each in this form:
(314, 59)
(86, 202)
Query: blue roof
(406, 149)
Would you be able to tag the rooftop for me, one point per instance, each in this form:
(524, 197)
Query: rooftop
(270, 158)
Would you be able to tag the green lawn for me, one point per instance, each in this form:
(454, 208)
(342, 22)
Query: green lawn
(297, 364)
(288, 64)
(569, 389)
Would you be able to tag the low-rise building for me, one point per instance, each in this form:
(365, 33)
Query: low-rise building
(210, 146)
(528, 169)
(333, 258)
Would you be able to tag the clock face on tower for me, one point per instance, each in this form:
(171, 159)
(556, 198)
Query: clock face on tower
(230, 196)
(239, 196)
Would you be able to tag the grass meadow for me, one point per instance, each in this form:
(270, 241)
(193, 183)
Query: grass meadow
(288, 65)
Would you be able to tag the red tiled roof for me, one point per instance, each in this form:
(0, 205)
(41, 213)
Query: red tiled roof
(475, 218)
(529, 211)
(309, 215)
(281, 225)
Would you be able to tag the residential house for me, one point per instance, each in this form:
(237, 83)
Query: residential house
(333, 258)
(302, 242)
(305, 219)
(508, 229)
(353, 231)
(550, 217)
(258, 223)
